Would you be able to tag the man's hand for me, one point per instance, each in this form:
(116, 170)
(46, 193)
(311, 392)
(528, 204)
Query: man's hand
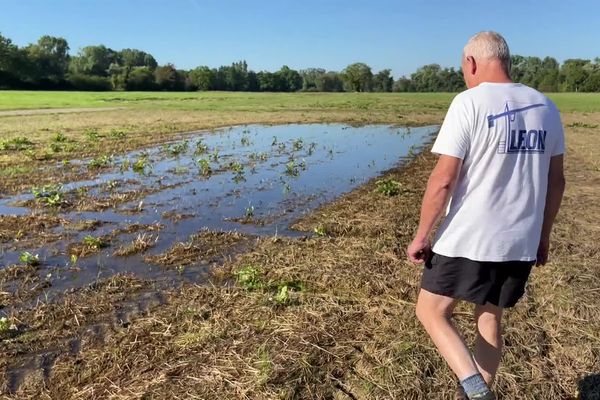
(419, 250)
(542, 253)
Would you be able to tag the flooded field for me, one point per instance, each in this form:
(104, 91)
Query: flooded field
(170, 212)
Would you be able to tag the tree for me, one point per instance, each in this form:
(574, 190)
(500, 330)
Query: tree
(235, 76)
(140, 78)
(93, 60)
(427, 78)
(50, 58)
(383, 81)
(169, 78)
(11, 60)
(358, 77)
(269, 81)
(309, 78)
(330, 82)
(290, 80)
(404, 84)
(137, 58)
(203, 78)
(573, 74)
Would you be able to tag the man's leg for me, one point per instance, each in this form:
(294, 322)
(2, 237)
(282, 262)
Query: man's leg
(435, 312)
(488, 345)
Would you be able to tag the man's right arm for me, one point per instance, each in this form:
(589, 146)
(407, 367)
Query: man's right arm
(554, 195)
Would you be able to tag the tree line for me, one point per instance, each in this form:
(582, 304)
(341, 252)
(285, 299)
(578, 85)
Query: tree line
(48, 65)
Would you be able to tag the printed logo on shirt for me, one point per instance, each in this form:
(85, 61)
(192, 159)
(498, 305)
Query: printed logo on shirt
(518, 138)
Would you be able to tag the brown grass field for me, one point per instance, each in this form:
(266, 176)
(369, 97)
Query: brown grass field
(343, 327)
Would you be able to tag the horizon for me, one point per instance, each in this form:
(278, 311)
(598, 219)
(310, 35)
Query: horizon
(264, 34)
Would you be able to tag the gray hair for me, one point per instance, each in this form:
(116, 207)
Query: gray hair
(488, 45)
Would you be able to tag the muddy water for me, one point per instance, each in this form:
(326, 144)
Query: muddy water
(261, 179)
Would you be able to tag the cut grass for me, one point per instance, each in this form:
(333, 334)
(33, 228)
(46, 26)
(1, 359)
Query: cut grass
(348, 331)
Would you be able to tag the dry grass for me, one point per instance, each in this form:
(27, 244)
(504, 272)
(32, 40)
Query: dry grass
(141, 243)
(343, 327)
(202, 248)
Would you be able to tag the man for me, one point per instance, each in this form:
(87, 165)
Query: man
(501, 171)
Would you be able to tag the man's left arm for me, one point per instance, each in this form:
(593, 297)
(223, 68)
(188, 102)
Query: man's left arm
(439, 190)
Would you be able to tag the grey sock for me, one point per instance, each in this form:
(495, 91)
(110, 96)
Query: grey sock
(476, 388)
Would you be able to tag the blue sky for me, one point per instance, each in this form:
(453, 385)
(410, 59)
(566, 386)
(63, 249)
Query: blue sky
(400, 35)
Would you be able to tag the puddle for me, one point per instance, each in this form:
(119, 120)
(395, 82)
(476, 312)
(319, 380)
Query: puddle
(255, 180)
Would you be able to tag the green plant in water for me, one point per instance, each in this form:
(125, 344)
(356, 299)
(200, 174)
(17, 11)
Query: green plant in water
(298, 144)
(249, 211)
(236, 167)
(388, 187)
(94, 242)
(177, 149)
(274, 142)
(246, 141)
(204, 166)
(201, 147)
(99, 162)
(125, 165)
(287, 188)
(50, 195)
(140, 165)
(291, 168)
(29, 259)
(215, 156)
(258, 156)
(311, 148)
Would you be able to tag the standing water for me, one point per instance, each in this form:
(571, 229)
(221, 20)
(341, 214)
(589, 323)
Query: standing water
(255, 180)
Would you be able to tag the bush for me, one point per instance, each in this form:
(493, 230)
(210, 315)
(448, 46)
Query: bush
(89, 83)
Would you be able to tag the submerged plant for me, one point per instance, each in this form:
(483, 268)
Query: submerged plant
(29, 259)
(141, 164)
(177, 149)
(246, 141)
(103, 161)
(259, 156)
(201, 147)
(204, 166)
(236, 167)
(125, 165)
(50, 195)
(291, 168)
(94, 242)
(215, 156)
(298, 144)
(249, 211)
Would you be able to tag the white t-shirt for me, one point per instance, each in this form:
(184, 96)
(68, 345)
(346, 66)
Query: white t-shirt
(505, 133)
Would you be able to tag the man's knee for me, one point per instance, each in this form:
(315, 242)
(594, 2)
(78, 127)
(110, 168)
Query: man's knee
(489, 317)
(433, 307)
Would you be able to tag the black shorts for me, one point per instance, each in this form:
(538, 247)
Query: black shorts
(498, 283)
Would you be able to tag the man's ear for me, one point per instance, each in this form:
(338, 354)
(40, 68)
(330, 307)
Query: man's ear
(472, 65)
